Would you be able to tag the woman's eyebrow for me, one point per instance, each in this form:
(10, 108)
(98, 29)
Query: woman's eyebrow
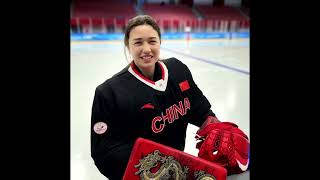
(139, 39)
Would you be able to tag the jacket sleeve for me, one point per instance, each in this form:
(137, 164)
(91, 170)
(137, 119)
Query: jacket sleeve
(200, 106)
(110, 146)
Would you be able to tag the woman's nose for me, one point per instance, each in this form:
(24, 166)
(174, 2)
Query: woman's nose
(146, 48)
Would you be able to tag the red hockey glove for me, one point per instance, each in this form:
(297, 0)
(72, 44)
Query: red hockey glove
(225, 144)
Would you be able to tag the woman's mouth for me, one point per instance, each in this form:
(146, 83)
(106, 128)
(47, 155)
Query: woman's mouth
(147, 57)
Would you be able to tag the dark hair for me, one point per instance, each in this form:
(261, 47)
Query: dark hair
(137, 21)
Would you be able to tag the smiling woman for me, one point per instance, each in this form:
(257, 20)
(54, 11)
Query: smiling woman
(143, 39)
(149, 98)
(144, 46)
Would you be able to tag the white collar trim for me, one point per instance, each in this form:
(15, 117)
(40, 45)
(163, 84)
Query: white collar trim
(159, 85)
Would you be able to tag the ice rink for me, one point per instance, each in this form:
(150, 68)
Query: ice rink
(220, 68)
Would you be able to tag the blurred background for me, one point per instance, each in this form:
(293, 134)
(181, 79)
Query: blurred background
(212, 37)
(101, 17)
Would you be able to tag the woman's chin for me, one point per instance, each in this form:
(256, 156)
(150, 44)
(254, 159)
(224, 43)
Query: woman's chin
(148, 62)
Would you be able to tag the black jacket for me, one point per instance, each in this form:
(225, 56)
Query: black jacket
(132, 106)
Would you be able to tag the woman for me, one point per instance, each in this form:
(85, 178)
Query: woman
(150, 98)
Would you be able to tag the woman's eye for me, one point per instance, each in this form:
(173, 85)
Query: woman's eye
(137, 43)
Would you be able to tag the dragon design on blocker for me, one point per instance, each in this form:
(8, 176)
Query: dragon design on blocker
(169, 168)
(201, 175)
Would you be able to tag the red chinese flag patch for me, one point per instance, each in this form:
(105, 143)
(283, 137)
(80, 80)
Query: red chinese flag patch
(184, 85)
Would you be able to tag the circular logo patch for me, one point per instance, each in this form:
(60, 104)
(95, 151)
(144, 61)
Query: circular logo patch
(100, 127)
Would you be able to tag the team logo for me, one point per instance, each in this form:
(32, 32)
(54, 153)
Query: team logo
(100, 127)
(243, 167)
(147, 106)
(171, 114)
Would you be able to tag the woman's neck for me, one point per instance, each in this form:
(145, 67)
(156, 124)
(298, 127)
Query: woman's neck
(148, 72)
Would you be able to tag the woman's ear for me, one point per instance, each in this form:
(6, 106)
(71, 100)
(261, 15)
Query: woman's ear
(127, 54)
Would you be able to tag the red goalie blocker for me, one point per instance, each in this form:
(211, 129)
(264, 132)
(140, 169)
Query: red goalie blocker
(151, 160)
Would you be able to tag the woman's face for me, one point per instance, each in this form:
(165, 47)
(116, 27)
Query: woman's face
(144, 46)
